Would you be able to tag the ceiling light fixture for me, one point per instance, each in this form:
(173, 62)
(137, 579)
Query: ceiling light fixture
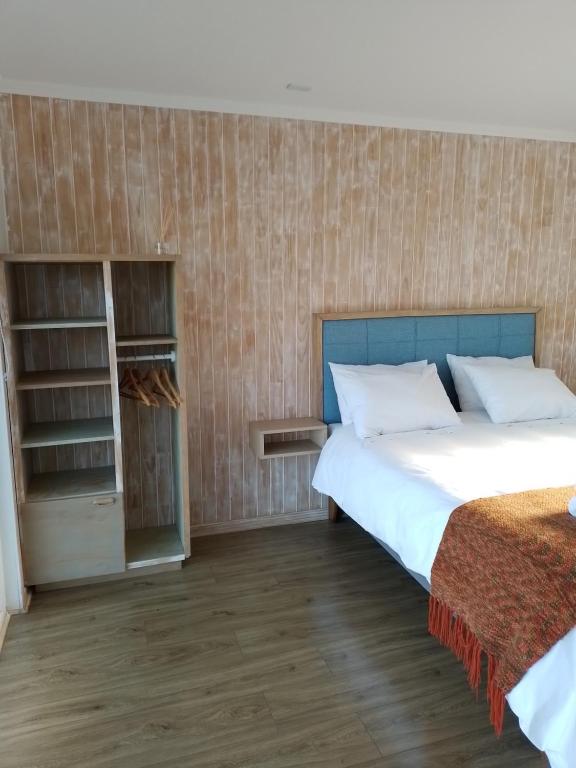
(298, 87)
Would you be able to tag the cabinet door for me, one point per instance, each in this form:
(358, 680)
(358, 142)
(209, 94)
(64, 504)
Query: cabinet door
(72, 538)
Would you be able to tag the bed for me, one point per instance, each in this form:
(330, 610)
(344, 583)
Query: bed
(402, 488)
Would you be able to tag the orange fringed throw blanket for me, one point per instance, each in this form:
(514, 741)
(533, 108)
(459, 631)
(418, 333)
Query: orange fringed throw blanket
(504, 585)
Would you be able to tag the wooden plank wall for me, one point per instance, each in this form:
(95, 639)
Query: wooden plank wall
(277, 219)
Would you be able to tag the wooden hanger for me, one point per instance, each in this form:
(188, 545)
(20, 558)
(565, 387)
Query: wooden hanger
(132, 387)
(147, 388)
(157, 387)
(165, 376)
(124, 387)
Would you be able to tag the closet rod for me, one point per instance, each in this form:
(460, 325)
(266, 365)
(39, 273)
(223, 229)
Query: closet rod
(141, 358)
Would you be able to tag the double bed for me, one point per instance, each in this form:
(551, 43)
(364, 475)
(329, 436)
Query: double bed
(402, 488)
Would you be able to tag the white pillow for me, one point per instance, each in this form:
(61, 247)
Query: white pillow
(338, 369)
(469, 400)
(517, 394)
(394, 401)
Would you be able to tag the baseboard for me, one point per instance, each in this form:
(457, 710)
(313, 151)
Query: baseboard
(26, 607)
(249, 523)
(3, 627)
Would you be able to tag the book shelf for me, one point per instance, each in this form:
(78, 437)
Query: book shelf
(72, 484)
(58, 323)
(63, 319)
(86, 377)
(73, 432)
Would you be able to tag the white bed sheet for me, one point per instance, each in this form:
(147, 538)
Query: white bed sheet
(402, 489)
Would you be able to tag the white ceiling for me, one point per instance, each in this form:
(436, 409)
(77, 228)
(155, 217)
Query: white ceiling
(503, 67)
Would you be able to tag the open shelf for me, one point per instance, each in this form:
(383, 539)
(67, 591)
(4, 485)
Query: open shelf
(145, 341)
(59, 323)
(83, 377)
(75, 431)
(73, 483)
(282, 438)
(280, 450)
(153, 546)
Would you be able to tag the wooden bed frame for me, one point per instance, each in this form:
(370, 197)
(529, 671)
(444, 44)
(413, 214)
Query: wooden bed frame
(334, 511)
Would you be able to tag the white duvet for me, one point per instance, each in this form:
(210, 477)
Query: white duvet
(402, 489)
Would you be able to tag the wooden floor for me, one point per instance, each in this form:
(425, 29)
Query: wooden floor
(293, 646)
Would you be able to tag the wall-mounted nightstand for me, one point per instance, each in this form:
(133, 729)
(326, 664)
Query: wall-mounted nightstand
(311, 436)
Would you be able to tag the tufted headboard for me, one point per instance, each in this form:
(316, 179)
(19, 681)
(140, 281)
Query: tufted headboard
(365, 338)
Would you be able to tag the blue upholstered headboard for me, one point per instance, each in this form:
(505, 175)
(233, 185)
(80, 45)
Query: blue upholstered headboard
(369, 338)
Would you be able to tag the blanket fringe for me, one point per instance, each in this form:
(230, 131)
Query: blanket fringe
(454, 634)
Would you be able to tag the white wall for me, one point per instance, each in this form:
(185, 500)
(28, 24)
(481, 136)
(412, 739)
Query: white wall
(3, 612)
(13, 595)
(12, 591)
(2, 591)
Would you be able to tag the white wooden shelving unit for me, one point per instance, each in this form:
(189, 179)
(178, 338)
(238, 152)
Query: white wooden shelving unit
(72, 458)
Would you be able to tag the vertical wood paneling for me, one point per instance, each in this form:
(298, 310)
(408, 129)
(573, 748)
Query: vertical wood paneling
(276, 351)
(220, 311)
(116, 159)
(358, 216)
(8, 158)
(290, 158)
(396, 240)
(134, 180)
(184, 223)
(152, 215)
(64, 179)
(233, 299)
(248, 315)
(26, 173)
(344, 220)
(422, 206)
(303, 299)
(384, 215)
(43, 150)
(369, 253)
(167, 180)
(262, 299)
(481, 225)
(205, 358)
(563, 309)
(317, 266)
(276, 219)
(83, 200)
(99, 177)
(409, 205)
(329, 278)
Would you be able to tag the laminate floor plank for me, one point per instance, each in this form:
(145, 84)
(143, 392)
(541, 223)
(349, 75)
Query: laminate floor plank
(302, 646)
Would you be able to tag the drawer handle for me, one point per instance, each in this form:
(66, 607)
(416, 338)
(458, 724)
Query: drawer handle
(105, 501)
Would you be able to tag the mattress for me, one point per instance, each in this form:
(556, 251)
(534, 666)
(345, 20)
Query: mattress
(402, 489)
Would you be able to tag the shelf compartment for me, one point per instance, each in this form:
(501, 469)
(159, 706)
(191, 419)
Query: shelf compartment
(58, 323)
(299, 437)
(83, 377)
(145, 341)
(153, 546)
(71, 484)
(71, 432)
(287, 448)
